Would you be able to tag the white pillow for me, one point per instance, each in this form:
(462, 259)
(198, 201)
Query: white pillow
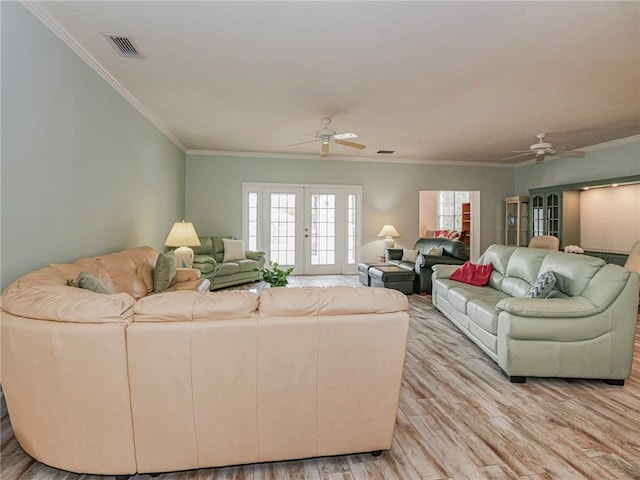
(233, 250)
(435, 251)
(409, 255)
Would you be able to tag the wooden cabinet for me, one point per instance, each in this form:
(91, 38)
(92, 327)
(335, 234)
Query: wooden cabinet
(466, 222)
(556, 213)
(609, 257)
(516, 223)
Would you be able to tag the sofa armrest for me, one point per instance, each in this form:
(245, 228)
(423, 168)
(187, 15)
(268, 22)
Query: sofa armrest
(254, 254)
(570, 307)
(204, 259)
(393, 253)
(195, 285)
(187, 274)
(443, 271)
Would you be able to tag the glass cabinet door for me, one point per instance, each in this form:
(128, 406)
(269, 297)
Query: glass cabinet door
(537, 215)
(516, 228)
(553, 214)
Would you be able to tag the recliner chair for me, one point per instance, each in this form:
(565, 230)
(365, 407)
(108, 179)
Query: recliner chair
(545, 241)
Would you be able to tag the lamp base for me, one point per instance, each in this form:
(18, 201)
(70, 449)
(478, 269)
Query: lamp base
(184, 257)
(388, 242)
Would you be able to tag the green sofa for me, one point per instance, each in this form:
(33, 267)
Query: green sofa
(209, 259)
(584, 329)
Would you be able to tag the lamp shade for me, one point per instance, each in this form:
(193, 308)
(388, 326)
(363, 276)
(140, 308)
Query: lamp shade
(182, 234)
(388, 231)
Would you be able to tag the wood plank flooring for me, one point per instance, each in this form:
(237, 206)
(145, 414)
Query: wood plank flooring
(459, 418)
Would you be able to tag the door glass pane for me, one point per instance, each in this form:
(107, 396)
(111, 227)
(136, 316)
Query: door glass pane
(283, 221)
(323, 238)
(351, 229)
(252, 239)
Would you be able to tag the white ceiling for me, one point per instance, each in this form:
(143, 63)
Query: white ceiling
(454, 81)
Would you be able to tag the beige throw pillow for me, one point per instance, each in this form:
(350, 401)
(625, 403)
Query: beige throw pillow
(233, 250)
(410, 255)
(435, 251)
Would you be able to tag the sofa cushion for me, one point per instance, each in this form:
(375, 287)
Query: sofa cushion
(460, 296)
(410, 255)
(227, 268)
(483, 314)
(542, 286)
(247, 265)
(572, 272)
(524, 263)
(233, 250)
(473, 274)
(205, 247)
(187, 306)
(131, 271)
(304, 301)
(164, 275)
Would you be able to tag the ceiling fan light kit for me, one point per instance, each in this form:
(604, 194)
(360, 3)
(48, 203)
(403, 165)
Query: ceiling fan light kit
(326, 135)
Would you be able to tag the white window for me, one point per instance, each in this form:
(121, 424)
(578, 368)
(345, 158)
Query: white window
(450, 209)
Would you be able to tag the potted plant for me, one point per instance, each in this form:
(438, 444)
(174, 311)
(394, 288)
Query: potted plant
(276, 277)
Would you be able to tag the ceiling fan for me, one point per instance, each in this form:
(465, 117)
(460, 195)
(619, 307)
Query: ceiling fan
(543, 149)
(326, 135)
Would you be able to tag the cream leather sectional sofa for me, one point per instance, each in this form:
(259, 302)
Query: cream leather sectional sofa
(586, 330)
(130, 382)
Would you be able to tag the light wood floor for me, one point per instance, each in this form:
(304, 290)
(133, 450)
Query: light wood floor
(459, 418)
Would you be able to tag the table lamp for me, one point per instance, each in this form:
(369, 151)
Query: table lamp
(388, 232)
(183, 236)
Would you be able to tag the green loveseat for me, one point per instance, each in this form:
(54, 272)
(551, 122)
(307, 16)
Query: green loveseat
(209, 259)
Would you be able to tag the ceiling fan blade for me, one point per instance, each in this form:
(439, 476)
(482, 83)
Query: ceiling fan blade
(516, 156)
(344, 136)
(325, 150)
(302, 143)
(347, 143)
(569, 153)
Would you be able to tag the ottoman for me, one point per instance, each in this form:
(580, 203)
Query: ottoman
(363, 272)
(392, 277)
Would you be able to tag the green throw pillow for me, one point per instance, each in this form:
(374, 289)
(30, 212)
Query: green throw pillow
(89, 282)
(542, 286)
(164, 275)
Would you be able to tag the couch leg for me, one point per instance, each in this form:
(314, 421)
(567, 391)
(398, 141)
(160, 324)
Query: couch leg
(616, 382)
(123, 477)
(517, 379)
(376, 453)
(514, 379)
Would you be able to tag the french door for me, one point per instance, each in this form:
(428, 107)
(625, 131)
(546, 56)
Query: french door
(315, 229)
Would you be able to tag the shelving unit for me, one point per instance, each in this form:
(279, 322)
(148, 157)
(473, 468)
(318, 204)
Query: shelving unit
(516, 228)
(466, 222)
(556, 212)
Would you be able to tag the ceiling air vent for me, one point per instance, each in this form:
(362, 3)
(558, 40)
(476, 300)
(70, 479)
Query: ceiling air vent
(123, 45)
(386, 152)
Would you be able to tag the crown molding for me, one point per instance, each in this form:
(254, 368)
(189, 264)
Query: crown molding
(38, 11)
(338, 158)
(612, 143)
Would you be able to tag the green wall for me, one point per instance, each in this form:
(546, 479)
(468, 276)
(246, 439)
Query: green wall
(390, 192)
(83, 172)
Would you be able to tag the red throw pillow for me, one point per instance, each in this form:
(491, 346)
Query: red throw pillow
(473, 274)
